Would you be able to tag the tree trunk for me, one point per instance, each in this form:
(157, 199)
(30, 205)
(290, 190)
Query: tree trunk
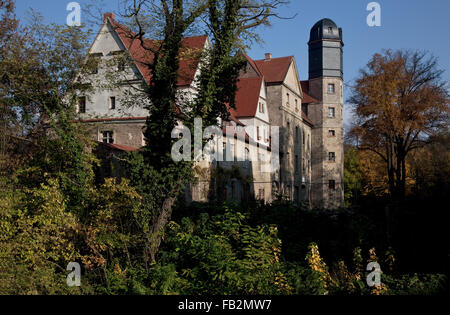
(158, 227)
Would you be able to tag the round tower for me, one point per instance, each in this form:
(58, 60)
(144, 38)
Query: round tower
(326, 85)
(325, 50)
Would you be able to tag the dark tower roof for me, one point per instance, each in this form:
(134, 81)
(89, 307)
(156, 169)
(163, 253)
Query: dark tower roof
(325, 50)
(325, 29)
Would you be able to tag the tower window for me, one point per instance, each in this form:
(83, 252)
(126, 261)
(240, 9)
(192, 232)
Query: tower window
(332, 133)
(330, 30)
(331, 88)
(332, 185)
(331, 112)
(332, 157)
(112, 102)
(108, 137)
(82, 104)
(288, 98)
(296, 104)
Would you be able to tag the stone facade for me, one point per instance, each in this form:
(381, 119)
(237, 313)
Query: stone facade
(270, 95)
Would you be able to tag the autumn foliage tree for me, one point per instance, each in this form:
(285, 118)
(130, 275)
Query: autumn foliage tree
(400, 100)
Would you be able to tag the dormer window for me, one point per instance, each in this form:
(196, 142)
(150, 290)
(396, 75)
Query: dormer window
(330, 30)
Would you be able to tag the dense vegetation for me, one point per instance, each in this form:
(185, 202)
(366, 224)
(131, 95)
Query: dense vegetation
(56, 209)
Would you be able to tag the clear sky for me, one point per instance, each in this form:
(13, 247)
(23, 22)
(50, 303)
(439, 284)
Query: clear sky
(409, 24)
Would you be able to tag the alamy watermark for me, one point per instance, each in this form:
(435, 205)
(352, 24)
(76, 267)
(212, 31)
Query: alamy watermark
(374, 18)
(74, 277)
(230, 147)
(374, 278)
(74, 17)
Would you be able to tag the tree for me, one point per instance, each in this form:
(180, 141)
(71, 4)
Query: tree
(226, 20)
(400, 100)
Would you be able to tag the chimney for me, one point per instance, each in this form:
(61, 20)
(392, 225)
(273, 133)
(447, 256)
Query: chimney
(108, 15)
(268, 56)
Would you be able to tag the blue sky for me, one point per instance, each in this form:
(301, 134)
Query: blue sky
(409, 24)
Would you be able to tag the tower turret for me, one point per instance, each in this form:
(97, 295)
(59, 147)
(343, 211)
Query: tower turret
(325, 50)
(326, 85)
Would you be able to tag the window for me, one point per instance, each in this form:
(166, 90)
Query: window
(261, 108)
(304, 165)
(331, 112)
(297, 136)
(332, 184)
(121, 65)
(332, 157)
(82, 104)
(233, 151)
(93, 62)
(305, 109)
(258, 133)
(331, 88)
(332, 133)
(330, 30)
(108, 137)
(233, 190)
(112, 102)
(297, 167)
(247, 155)
(288, 98)
(296, 105)
(297, 194)
(303, 136)
(261, 194)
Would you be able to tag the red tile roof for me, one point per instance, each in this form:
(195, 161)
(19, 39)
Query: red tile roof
(112, 119)
(275, 69)
(247, 97)
(192, 47)
(305, 118)
(252, 63)
(118, 147)
(307, 99)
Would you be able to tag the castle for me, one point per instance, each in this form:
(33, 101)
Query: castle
(309, 115)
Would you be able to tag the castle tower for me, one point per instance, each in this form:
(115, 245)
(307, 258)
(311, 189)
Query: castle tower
(326, 85)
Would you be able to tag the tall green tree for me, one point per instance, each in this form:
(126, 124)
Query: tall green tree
(226, 20)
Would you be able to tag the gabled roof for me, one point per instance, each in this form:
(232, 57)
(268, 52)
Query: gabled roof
(252, 63)
(247, 97)
(274, 70)
(307, 99)
(188, 63)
